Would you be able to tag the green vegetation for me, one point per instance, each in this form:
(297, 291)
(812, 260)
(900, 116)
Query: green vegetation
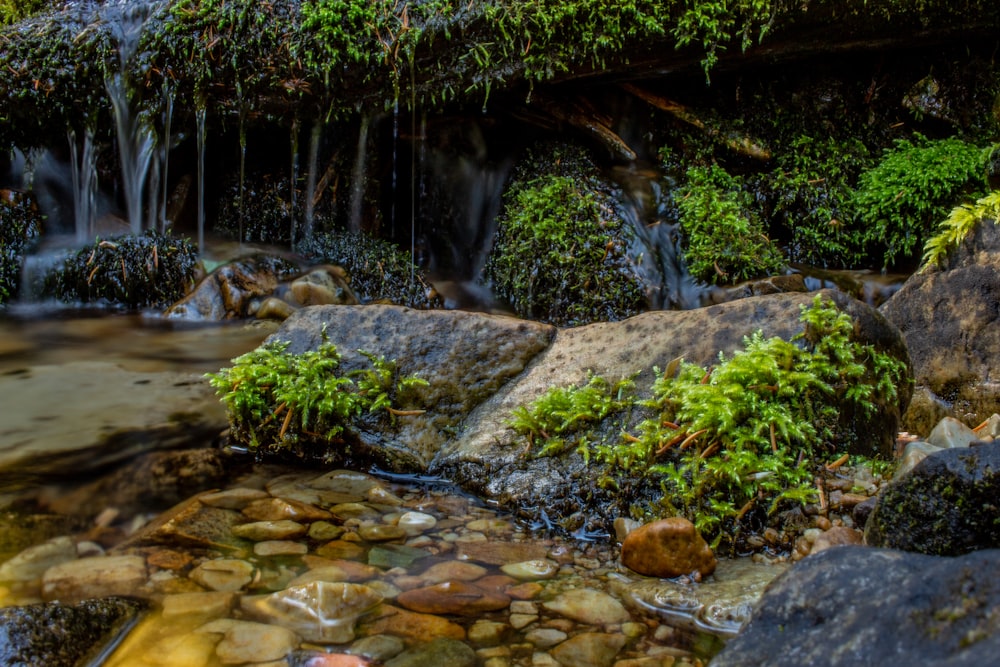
(724, 240)
(20, 222)
(811, 199)
(277, 399)
(12, 11)
(959, 224)
(151, 270)
(379, 271)
(901, 200)
(747, 433)
(560, 254)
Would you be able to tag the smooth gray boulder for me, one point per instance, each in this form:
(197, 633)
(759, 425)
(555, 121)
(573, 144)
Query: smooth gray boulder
(863, 607)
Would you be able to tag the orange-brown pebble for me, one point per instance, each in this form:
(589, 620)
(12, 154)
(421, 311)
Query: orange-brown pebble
(667, 548)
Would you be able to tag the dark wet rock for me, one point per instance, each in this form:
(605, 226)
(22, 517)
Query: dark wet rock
(465, 358)
(228, 291)
(861, 607)
(949, 319)
(667, 548)
(56, 634)
(191, 525)
(946, 506)
(20, 222)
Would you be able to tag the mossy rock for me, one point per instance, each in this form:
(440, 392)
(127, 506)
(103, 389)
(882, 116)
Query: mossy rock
(150, 270)
(945, 506)
(20, 222)
(379, 271)
(563, 248)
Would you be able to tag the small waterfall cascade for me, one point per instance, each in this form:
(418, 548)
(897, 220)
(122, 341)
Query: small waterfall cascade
(137, 140)
(200, 114)
(643, 200)
(358, 176)
(315, 139)
(83, 176)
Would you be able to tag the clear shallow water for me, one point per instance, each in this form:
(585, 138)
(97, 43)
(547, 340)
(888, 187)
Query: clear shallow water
(669, 632)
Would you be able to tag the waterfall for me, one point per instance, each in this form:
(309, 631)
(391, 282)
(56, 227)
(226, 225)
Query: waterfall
(314, 141)
(358, 177)
(200, 120)
(83, 173)
(136, 138)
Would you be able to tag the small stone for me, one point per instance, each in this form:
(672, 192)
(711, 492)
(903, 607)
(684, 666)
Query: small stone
(950, 432)
(232, 499)
(198, 605)
(378, 647)
(270, 530)
(279, 548)
(354, 571)
(340, 549)
(244, 641)
(544, 638)
(330, 573)
(275, 509)
(345, 481)
(189, 649)
(488, 633)
(168, 559)
(378, 495)
(389, 556)
(324, 531)
(273, 308)
(31, 564)
(623, 526)
(490, 526)
(452, 597)
(590, 606)
(521, 621)
(589, 649)
(345, 511)
(451, 571)
(667, 548)
(96, 577)
(410, 625)
(501, 553)
(381, 533)
(441, 651)
(836, 536)
(415, 523)
(319, 611)
(223, 574)
(531, 570)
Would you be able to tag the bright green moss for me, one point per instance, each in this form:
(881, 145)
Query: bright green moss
(745, 434)
(959, 224)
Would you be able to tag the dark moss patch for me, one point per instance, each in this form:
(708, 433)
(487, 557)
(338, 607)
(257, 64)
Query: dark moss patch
(20, 222)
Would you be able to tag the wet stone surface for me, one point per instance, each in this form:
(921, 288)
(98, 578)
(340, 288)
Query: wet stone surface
(296, 568)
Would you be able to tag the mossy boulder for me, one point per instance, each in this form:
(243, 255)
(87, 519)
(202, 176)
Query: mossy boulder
(148, 270)
(20, 222)
(945, 506)
(378, 271)
(564, 253)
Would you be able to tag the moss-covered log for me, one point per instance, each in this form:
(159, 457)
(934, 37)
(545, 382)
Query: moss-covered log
(326, 58)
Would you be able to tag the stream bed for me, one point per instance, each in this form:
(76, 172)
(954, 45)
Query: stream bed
(255, 563)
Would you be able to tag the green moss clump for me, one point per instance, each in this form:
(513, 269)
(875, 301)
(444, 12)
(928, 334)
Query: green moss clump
(12, 11)
(748, 433)
(379, 271)
(811, 199)
(959, 224)
(20, 222)
(151, 270)
(902, 199)
(280, 400)
(724, 240)
(561, 251)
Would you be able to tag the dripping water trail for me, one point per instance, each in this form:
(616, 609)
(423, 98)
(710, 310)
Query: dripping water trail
(310, 203)
(293, 199)
(243, 171)
(83, 172)
(358, 176)
(200, 119)
(168, 114)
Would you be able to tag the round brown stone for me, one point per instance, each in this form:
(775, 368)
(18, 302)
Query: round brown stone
(667, 548)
